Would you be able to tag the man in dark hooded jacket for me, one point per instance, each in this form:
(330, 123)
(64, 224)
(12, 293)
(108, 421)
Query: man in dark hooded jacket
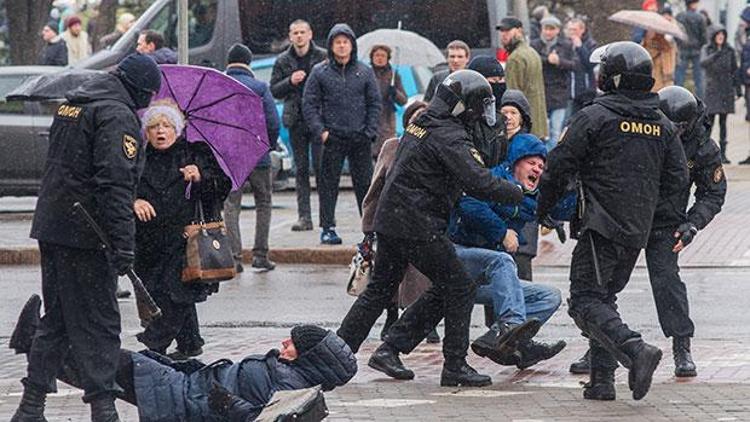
(94, 158)
(165, 390)
(625, 155)
(341, 105)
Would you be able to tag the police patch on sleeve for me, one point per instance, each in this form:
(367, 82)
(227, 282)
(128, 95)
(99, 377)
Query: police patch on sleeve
(477, 156)
(718, 174)
(129, 146)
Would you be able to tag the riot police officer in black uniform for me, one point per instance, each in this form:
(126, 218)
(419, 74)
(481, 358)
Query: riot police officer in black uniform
(625, 154)
(94, 158)
(436, 161)
(674, 228)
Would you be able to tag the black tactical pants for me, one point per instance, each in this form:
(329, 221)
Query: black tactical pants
(670, 293)
(451, 296)
(81, 315)
(304, 147)
(593, 306)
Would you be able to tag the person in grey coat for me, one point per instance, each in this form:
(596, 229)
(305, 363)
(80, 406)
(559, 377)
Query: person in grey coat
(719, 62)
(165, 390)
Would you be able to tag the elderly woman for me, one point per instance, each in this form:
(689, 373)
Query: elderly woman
(391, 91)
(176, 175)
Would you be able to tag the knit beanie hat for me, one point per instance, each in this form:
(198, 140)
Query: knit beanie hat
(305, 337)
(487, 66)
(72, 21)
(239, 53)
(54, 26)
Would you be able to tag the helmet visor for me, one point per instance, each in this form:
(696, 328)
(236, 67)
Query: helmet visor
(490, 111)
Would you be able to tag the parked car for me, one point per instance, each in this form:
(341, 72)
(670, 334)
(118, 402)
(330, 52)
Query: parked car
(24, 137)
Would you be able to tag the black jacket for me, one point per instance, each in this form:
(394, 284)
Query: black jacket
(706, 173)
(626, 155)
(54, 54)
(695, 27)
(160, 245)
(557, 77)
(281, 86)
(722, 81)
(436, 161)
(344, 100)
(94, 157)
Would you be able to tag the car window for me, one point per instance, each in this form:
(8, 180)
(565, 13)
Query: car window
(8, 82)
(201, 22)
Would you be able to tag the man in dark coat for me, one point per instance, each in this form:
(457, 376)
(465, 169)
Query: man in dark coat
(458, 55)
(239, 58)
(341, 105)
(55, 52)
(94, 158)
(584, 81)
(558, 61)
(151, 43)
(695, 27)
(288, 79)
(436, 161)
(165, 390)
(622, 150)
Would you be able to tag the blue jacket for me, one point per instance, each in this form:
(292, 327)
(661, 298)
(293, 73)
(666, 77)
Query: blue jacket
(169, 391)
(484, 224)
(343, 99)
(243, 74)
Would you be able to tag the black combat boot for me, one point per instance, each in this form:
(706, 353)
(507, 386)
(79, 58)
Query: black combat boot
(601, 385)
(683, 360)
(644, 360)
(532, 352)
(503, 339)
(28, 321)
(103, 409)
(456, 372)
(31, 408)
(385, 359)
(582, 365)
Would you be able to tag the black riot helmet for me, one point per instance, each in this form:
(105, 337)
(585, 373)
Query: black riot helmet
(623, 65)
(469, 96)
(678, 104)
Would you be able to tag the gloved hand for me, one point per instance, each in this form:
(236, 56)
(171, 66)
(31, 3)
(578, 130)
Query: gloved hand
(684, 235)
(122, 261)
(552, 224)
(510, 241)
(366, 248)
(220, 399)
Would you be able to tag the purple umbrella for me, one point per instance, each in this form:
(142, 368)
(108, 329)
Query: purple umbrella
(221, 112)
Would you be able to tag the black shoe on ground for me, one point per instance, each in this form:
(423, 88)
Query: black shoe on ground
(122, 293)
(724, 159)
(185, 355)
(263, 263)
(103, 410)
(601, 386)
(302, 225)
(386, 360)
(238, 268)
(461, 374)
(644, 360)
(433, 337)
(532, 352)
(503, 340)
(745, 161)
(582, 365)
(31, 408)
(683, 360)
(28, 321)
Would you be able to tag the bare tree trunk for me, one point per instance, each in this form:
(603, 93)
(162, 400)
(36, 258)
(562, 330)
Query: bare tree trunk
(603, 30)
(105, 22)
(25, 21)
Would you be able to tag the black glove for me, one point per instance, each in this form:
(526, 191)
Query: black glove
(220, 399)
(685, 233)
(122, 261)
(551, 223)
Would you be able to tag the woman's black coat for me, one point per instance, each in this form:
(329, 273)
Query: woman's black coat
(160, 245)
(720, 67)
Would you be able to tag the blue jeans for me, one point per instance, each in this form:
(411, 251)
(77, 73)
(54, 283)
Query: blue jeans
(681, 70)
(513, 300)
(556, 120)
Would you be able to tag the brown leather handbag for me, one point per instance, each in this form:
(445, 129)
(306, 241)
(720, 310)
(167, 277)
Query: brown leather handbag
(208, 253)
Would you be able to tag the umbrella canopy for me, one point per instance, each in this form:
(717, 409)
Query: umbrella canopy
(651, 21)
(51, 86)
(221, 112)
(409, 48)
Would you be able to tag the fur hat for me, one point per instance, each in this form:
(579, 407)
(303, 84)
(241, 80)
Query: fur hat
(167, 109)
